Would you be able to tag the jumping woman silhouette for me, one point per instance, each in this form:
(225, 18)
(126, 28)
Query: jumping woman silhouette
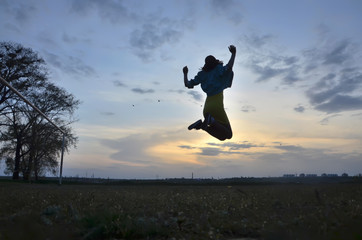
(214, 78)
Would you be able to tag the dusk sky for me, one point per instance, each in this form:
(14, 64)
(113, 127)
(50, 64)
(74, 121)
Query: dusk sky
(295, 105)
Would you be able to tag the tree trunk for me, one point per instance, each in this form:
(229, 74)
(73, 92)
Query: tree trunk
(32, 149)
(29, 168)
(17, 159)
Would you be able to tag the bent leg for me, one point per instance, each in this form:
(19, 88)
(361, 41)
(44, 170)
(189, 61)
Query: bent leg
(219, 131)
(214, 106)
(218, 125)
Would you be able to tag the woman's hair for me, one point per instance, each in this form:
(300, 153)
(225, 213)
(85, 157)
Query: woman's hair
(210, 63)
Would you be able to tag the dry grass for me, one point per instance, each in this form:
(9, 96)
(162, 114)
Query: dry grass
(285, 211)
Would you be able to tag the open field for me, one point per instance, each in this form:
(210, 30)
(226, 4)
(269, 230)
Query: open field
(166, 211)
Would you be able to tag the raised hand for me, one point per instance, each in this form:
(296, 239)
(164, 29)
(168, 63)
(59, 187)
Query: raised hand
(232, 49)
(185, 70)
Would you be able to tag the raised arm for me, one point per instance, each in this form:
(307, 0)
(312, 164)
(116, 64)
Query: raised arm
(185, 70)
(232, 49)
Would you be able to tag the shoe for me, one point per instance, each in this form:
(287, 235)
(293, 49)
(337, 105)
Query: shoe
(209, 120)
(196, 125)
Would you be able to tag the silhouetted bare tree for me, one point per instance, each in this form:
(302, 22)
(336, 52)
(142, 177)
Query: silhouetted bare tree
(31, 145)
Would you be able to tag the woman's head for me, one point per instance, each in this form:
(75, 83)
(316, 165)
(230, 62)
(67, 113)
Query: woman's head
(210, 63)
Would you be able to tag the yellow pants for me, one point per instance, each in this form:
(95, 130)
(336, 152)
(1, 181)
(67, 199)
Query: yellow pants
(215, 106)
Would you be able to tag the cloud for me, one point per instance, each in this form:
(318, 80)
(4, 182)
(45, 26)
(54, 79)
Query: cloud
(254, 41)
(69, 39)
(130, 150)
(180, 91)
(340, 103)
(331, 49)
(307, 160)
(140, 150)
(339, 53)
(230, 158)
(326, 81)
(299, 109)
(265, 72)
(118, 83)
(344, 73)
(267, 162)
(113, 11)
(53, 59)
(4, 4)
(276, 66)
(335, 54)
(325, 120)
(331, 73)
(337, 92)
(12, 27)
(289, 158)
(196, 95)
(186, 147)
(76, 66)
(142, 91)
(290, 148)
(152, 35)
(269, 63)
(248, 108)
(69, 64)
(150, 32)
(357, 115)
(208, 151)
(227, 8)
(221, 148)
(156, 83)
(20, 11)
(232, 146)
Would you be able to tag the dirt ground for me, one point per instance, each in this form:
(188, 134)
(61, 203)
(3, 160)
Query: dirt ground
(270, 211)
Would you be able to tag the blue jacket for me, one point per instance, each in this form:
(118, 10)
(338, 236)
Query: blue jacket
(214, 81)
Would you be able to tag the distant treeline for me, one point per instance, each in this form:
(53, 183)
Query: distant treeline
(204, 181)
(315, 175)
